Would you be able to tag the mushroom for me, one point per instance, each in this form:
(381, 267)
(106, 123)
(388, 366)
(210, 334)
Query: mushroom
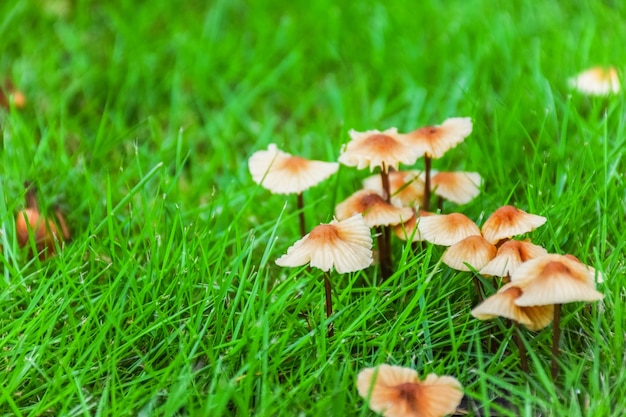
(458, 187)
(509, 221)
(596, 81)
(283, 173)
(344, 245)
(10, 94)
(395, 391)
(434, 142)
(31, 225)
(511, 254)
(554, 279)
(503, 304)
(373, 149)
(446, 229)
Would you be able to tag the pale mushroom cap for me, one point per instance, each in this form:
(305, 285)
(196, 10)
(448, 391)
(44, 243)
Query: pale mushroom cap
(511, 255)
(435, 141)
(502, 304)
(373, 149)
(344, 245)
(554, 279)
(376, 211)
(282, 173)
(446, 229)
(473, 250)
(395, 391)
(596, 81)
(458, 187)
(509, 221)
(406, 187)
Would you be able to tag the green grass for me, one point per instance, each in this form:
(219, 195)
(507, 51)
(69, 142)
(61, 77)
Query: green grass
(167, 301)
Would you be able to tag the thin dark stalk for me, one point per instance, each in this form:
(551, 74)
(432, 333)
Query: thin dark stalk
(384, 254)
(300, 206)
(556, 335)
(31, 198)
(427, 165)
(522, 349)
(329, 303)
(384, 240)
(384, 176)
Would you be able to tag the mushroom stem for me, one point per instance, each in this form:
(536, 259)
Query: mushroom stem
(329, 303)
(384, 176)
(31, 198)
(522, 349)
(427, 165)
(384, 253)
(556, 335)
(300, 206)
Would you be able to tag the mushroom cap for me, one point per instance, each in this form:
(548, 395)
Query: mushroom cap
(596, 81)
(435, 141)
(395, 391)
(458, 187)
(373, 149)
(554, 279)
(511, 255)
(502, 304)
(446, 229)
(509, 221)
(473, 250)
(406, 187)
(376, 211)
(345, 245)
(282, 173)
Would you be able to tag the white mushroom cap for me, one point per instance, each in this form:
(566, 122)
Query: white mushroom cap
(508, 221)
(373, 149)
(596, 81)
(435, 141)
(282, 173)
(458, 187)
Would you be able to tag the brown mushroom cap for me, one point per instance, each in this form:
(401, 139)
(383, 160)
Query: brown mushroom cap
(596, 81)
(344, 245)
(446, 229)
(508, 221)
(395, 391)
(282, 173)
(511, 255)
(376, 211)
(458, 187)
(373, 149)
(473, 250)
(502, 304)
(554, 279)
(435, 141)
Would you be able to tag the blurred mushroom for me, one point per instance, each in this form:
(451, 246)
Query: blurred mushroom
(596, 81)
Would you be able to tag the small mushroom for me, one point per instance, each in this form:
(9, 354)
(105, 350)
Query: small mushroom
(283, 173)
(509, 221)
(596, 81)
(458, 187)
(345, 246)
(434, 142)
(446, 229)
(511, 254)
(395, 391)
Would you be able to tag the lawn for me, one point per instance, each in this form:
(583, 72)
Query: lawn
(139, 121)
